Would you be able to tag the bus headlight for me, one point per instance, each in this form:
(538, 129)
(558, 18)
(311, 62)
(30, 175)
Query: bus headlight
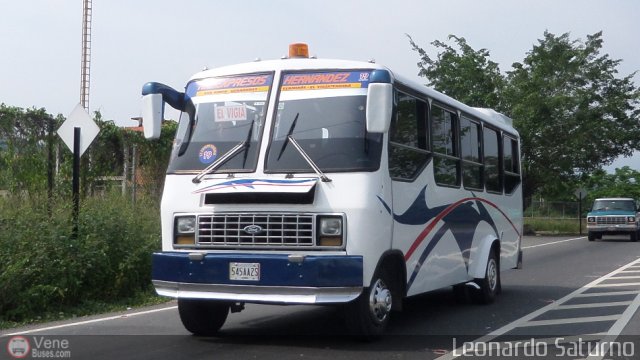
(185, 230)
(330, 231)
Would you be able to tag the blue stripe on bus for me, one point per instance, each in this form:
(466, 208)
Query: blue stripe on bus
(461, 218)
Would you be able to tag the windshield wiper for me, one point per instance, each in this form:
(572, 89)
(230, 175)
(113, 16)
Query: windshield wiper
(304, 154)
(226, 157)
(248, 143)
(284, 145)
(221, 160)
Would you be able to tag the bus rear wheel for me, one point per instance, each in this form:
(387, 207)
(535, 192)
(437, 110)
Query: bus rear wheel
(490, 284)
(203, 317)
(368, 315)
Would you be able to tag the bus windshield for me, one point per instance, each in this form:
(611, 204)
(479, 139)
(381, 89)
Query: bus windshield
(221, 113)
(325, 114)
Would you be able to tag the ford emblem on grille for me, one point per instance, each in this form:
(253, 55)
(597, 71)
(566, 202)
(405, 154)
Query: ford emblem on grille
(252, 229)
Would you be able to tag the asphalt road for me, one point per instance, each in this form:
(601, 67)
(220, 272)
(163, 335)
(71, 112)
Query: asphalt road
(569, 288)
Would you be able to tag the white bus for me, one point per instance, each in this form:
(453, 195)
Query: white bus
(312, 181)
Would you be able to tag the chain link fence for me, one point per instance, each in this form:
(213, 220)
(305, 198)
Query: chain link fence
(554, 210)
(554, 217)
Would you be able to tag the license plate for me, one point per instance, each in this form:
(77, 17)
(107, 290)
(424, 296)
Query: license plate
(244, 271)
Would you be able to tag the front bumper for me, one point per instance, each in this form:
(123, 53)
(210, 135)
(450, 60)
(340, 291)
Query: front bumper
(612, 229)
(311, 279)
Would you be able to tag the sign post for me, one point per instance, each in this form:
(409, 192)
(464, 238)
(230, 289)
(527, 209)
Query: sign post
(75, 183)
(580, 194)
(77, 132)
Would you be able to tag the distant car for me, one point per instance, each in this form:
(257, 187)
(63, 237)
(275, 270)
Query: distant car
(613, 216)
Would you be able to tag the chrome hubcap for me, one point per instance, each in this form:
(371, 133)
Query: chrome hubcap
(492, 274)
(380, 301)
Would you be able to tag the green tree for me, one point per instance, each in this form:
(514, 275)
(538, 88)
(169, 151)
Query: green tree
(24, 153)
(624, 182)
(573, 113)
(465, 74)
(23, 148)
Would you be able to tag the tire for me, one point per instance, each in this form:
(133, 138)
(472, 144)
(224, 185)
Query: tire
(633, 236)
(368, 316)
(490, 284)
(591, 236)
(203, 317)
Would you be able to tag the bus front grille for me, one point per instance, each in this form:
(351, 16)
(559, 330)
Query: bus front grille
(256, 230)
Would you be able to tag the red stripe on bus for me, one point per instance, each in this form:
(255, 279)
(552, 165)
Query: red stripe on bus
(444, 213)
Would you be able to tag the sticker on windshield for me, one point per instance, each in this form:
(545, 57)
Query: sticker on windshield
(230, 113)
(208, 154)
(232, 85)
(323, 81)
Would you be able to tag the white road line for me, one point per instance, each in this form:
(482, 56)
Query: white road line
(625, 277)
(608, 293)
(122, 316)
(615, 285)
(630, 271)
(593, 305)
(621, 322)
(570, 320)
(552, 243)
(617, 328)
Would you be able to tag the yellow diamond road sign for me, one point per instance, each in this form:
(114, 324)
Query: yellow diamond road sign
(88, 129)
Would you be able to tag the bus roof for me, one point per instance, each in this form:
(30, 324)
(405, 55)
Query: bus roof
(300, 64)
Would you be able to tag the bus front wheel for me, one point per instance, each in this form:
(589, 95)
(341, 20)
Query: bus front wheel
(368, 315)
(203, 317)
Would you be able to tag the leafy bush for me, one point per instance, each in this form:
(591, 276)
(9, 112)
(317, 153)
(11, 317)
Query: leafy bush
(43, 269)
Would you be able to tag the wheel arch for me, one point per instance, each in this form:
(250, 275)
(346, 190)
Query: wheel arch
(478, 266)
(393, 262)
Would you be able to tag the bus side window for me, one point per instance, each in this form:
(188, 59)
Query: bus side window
(472, 174)
(408, 153)
(511, 164)
(446, 163)
(492, 161)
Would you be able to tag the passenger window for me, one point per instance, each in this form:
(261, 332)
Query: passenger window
(446, 164)
(491, 160)
(408, 152)
(470, 149)
(511, 164)
(443, 125)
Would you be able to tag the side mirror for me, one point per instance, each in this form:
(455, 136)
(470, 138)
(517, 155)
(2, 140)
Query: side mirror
(154, 95)
(379, 107)
(152, 115)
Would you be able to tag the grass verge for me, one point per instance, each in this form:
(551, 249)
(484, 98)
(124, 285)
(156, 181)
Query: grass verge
(553, 226)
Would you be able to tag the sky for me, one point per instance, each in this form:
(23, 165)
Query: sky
(137, 41)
